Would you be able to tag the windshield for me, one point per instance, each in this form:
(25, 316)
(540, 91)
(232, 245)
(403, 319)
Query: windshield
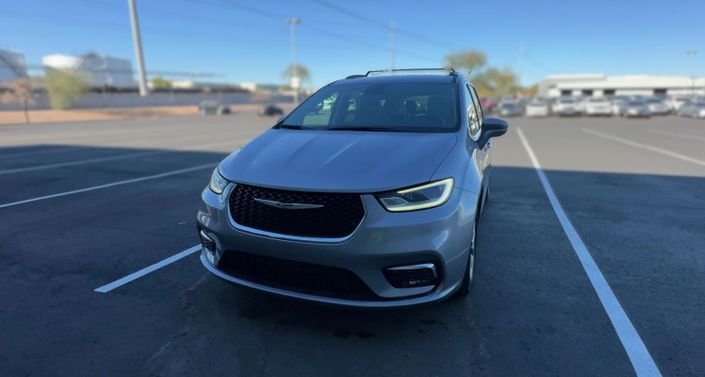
(375, 106)
(637, 103)
(597, 100)
(566, 100)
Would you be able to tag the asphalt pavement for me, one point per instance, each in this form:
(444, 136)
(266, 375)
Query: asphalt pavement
(83, 205)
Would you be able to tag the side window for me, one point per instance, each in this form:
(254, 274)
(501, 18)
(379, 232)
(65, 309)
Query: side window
(473, 117)
(319, 114)
(478, 105)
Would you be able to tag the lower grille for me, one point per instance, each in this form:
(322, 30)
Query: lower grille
(296, 276)
(338, 216)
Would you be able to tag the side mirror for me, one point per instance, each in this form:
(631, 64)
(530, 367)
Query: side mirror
(492, 127)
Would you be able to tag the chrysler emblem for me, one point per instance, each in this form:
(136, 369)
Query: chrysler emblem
(280, 205)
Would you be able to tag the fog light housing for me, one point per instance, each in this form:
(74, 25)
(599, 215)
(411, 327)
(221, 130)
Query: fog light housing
(209, 247)
(412, 276)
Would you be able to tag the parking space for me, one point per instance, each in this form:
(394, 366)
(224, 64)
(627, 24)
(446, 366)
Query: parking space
(85, 204)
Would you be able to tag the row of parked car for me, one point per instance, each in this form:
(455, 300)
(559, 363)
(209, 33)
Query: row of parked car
(626, 106)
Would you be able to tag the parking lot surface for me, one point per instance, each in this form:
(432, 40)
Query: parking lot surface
(83, 205)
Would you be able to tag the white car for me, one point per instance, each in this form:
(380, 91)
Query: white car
(565, 106)
(537, 108)
(618, 104)
(675, 102)
(598, 106)
(694, 108)
(658, 106)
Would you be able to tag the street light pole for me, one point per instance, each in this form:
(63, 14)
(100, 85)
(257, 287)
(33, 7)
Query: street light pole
(295, 80)
(692, 69)
(392, 45)
(137, 41)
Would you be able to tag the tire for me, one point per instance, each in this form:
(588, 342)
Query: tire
(469, 277)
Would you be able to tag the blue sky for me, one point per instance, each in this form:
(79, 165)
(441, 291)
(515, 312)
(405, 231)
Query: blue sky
(615, 37)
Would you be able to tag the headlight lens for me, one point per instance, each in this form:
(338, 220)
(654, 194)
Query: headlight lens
(420, 197)
(218, 183)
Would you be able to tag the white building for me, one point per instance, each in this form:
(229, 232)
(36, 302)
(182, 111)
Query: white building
(12, 66)
(100, 70)
(600, 85)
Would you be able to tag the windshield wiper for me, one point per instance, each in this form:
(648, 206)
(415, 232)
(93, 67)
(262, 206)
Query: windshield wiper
(291, 127)
(364, 129)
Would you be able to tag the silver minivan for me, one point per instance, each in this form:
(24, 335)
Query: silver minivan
(367, 194)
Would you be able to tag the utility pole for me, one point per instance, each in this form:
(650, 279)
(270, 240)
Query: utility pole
(295, 79)
(137, 41)
(392, 45)
(520, 61)
(692, 54)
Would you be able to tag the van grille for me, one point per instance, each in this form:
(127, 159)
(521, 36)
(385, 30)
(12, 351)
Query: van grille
(338, 217)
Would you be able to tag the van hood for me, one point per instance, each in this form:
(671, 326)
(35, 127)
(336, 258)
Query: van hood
(340, 161)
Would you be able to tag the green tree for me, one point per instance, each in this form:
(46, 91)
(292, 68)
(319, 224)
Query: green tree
(501, 81)
(470, 60)
(64, 86)
(20, 92)
(160, 82)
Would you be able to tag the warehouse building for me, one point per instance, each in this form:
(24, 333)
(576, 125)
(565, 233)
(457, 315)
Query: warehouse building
(595, 85)
(12, 66)
(100, 71)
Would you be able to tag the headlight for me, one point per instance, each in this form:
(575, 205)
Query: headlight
(218, 183)
(420, 197)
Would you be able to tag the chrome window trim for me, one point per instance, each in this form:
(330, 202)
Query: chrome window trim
(287, 237)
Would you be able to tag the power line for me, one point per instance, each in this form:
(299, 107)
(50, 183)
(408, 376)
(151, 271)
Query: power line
(380, 24)
(324, 32)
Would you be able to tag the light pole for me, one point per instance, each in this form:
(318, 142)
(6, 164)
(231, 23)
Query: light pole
(392, 45)
(137, 40)
(295, 80)
(692, 53)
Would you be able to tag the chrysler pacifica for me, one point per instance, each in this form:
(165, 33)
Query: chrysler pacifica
(367, 194)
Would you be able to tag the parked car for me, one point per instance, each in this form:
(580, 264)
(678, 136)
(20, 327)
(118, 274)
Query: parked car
(618, 103)
(509, 109)
(488, 105)
(657, 106)
(598, 106)
(694, 108)
(213, 107)
(566, 106)
(271, 110)
(346, 206)
(636, 108)
(675, 102)
(537, 108)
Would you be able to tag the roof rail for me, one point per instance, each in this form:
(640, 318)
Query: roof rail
(354, 77)
(450, 71)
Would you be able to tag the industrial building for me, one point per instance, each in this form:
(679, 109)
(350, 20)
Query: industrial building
(12, 66)
(595, 85)
(100, 71)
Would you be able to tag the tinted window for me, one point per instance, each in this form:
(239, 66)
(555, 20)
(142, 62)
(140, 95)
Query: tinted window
(399, 106)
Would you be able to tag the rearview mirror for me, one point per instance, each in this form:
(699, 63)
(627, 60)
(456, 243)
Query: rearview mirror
(492, 127)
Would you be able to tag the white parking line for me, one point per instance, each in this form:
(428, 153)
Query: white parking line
(644, 146)
(107, 185)
(79, 162)
(639, 356)
(676, 134)
(136, 275)
(112, 158)
(34, 153)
